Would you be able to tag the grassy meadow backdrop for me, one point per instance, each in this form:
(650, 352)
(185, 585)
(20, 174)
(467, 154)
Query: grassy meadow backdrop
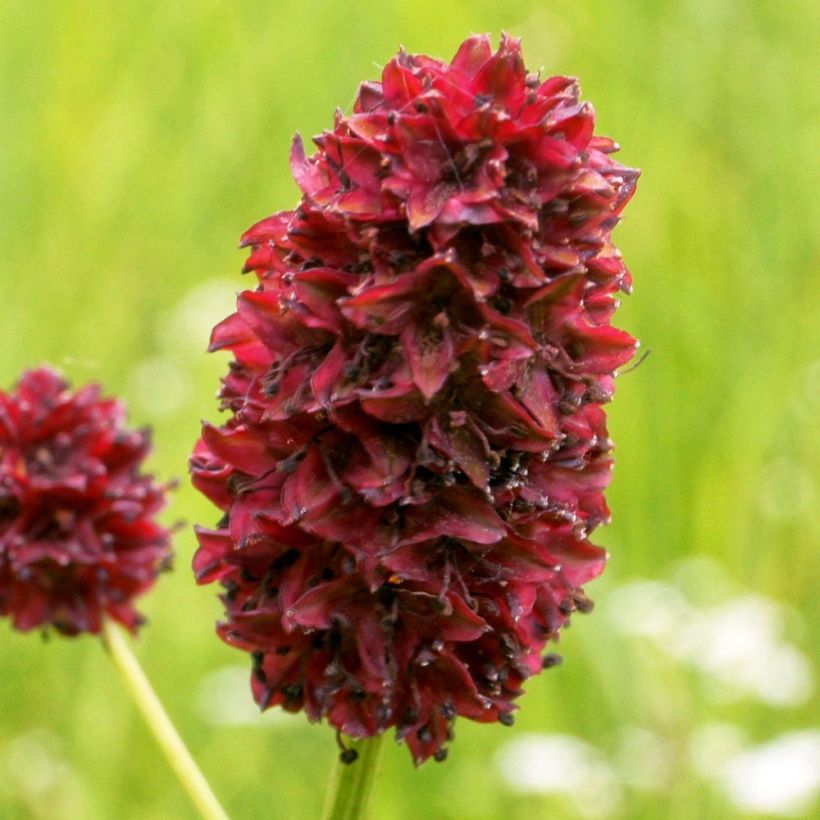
(139, 138)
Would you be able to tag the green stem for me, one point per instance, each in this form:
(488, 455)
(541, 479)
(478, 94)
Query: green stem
(351, 783)
(160, 724)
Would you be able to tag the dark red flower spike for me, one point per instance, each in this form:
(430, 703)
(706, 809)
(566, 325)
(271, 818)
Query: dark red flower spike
(416, 451)
(78, 535)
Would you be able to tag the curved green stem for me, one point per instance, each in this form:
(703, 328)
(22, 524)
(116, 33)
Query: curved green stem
(351, 783)
(160, 724)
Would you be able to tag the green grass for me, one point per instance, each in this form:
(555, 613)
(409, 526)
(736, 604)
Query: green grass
(139, 139)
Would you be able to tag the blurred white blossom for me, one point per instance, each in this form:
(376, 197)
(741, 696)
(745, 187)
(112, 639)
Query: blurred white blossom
(160, 386)
(188, 327)
(780, 777)
(34, 773)
(561, 764)
(739, 643)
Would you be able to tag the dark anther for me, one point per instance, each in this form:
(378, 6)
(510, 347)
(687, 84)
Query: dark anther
(550, 660)
(448, 710)
(506, 718)
(575, 349)
(237, 483)
(424, 734)
(509, 646)
(440, 755)
(285, 560)
(231, 588)
(347, 755)
(582, 603)
(410, 717)
(9, 506)
(289, 464)
(258, 659)
(358, 694)
(567, 406)
(502, 304)
(292, 691)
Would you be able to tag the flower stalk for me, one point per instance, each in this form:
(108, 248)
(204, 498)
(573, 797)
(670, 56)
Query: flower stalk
(351, 781)
(166, 735)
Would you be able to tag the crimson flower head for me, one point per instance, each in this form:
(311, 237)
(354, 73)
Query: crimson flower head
(416, 450)
(78, 539)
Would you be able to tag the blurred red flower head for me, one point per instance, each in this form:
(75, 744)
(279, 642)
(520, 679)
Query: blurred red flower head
(416, 452)
(78, 539)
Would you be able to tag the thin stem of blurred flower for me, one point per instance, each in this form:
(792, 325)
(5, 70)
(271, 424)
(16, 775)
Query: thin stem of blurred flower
(351, 782)
(156, 717)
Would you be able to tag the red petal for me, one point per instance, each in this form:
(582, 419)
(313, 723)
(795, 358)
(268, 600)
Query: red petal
(425, 203)
(230, 332)
(399, 85)
(541, 398)
(272, 229)
(471, 55)
(309, 490)
(246, 450)
(208, 561)
(502, 76)
(327, 379)
(277, 329)
(458, 513)
(430, 352)
(464, 445)
(385, 308)
(462, 624)
(310, 177)
(315, 608)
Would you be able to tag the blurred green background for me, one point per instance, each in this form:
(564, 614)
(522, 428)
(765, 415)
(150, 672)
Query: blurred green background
(139, 139)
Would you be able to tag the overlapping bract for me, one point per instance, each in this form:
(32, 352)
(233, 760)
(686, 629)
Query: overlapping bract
(416, 452)
(78, 539)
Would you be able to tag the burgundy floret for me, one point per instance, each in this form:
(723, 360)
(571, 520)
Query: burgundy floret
(416, 451)
(78, 535)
